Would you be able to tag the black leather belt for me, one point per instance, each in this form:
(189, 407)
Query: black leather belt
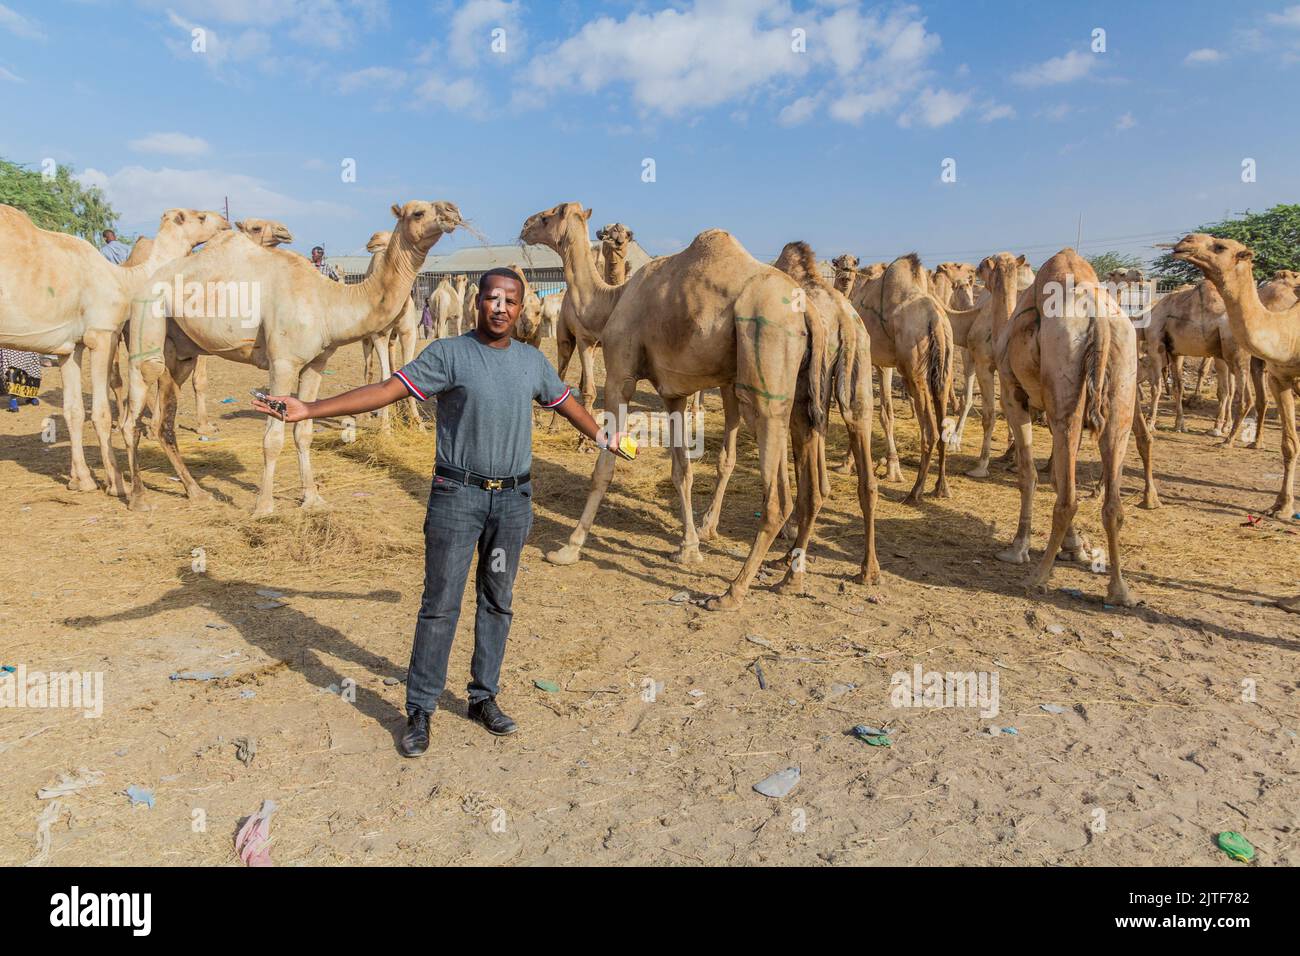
(481, 481)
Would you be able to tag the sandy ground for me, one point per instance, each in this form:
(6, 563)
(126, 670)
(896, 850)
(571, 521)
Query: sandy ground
(1155, 753)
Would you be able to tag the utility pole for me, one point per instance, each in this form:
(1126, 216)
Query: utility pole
(227, 208)
(1078, 236)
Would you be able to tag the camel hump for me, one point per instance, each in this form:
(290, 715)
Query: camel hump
(798, 261)
(714, 241)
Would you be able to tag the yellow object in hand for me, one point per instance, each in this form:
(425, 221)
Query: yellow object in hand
(627, 447)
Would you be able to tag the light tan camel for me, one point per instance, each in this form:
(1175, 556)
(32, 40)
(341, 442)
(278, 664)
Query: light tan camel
(615, 240)
(1273, 336)
(392, 347)
(1070, 352)
(59, 296)
(551, 306)
(847, 375)
(302, 320)
(469, 304)
(709, 316)
(529, 327)
(1195, 322)
(445, 306)
(909, 330)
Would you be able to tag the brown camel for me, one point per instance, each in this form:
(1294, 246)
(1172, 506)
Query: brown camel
(709, 316)
(59, 296)
(615, 239)
(1273, 336)
(301, 320)
(909, 330)
(1069, 351)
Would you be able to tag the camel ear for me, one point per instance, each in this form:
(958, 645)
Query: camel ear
(587, 214)
(1245, 255)
(179, 217)
(397, 211)
(1020, 260)
(630, 234)
(240, 225)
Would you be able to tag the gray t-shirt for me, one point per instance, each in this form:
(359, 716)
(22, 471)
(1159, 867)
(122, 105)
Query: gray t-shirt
(485, 420)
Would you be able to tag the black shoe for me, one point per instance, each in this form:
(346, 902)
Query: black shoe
(487, 713)
(416, 739)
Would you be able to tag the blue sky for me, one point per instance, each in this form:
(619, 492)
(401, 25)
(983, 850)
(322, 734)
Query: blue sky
(840, 143)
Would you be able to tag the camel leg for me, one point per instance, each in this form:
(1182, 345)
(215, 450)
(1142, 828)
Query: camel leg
(857, 419)
(1261, 400)
(893, 470)
(726, 462)
(771, 429)
(1240, 401)
(1019, 421)
(103, 352)
(205, 427)
(616, 387)
(564, 346)
(1180, 420)
(284, 381)
(929, 425)
(405, 342)
(1225, 390)
(308, 388)
(1065, 442)
(1146, 449)
(587, 385)
(385, 421)
(168, 392)
(809, 462)
(1157, 384)
(117, 380)
(1075, 546)
(683, 479)
(1200, 377)
(1113, 443)
(968, 401)
(74, 415)
(988, 418)
(1284, 506)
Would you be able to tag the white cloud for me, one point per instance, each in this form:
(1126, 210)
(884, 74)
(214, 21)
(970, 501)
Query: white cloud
(1126, 121)
(1056, 113)
(1203, 55)
(219, 48)
(141, 194)
(991, 112)
(381, 76)
(19, 25)
(800, 111)
(1290, 17)
(1060, 69)
(170, 144)
(851, 107)
(456, 95)
(935, 108)
(471, 37)
(11, 77)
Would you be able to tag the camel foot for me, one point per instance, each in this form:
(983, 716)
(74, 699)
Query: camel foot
(981, 470)
(870, 574)
(197, 496)
(895, 472)
(565, 555)
(1016, 554)
(792, 583)
(941, 490)
(913, 498)
(723, 602)
(141, 504)
(1180, 427)
(1255, 445)
(709, 530)
(314, 502)
(1282, 509)
(1216, 432)
(954, 445)
(84, 483)
(1119, 596)
(688, 554)
(263, 509)
(206, 428)
(844, 468)
(1151, 502)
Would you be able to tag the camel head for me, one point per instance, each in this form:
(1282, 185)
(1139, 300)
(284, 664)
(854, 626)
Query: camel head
(873, 271)
(616, 235)
(1289, 276)
(421, 223)
(1002, 267)
(196, 225)
(958, 273)
(551, 226)
(265, 232)
(846, 271)
(379, 241)
(1214, 256)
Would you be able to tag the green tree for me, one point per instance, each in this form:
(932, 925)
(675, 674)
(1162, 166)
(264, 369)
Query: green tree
(1273, 235)
(56, 202)
(1110, 261)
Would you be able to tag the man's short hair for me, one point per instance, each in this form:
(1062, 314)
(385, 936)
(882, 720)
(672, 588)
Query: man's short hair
(108, 232)
(503, 273)
(320, 249)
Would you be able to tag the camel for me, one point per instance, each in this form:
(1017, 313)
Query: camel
(551, 306)
(709, 316)
(1195, 322)
(382, 351)
(1272, 335)
(615, 239)
(847, 374)
(445, 305)
(953, 284)
(469, 304)
(529, 328)
(909, 330)
(302, 321)
(59, 296)
(1069, 351)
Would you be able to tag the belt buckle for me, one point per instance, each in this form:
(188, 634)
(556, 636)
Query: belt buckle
(494, 484)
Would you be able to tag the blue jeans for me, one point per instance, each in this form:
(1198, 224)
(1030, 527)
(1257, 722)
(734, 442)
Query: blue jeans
(463, 519)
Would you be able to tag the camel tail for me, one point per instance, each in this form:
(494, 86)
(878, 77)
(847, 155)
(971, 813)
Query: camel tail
(1095, 354)
(816, 367)
(939, 367)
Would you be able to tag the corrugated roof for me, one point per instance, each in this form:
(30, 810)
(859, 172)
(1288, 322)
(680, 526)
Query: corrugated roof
(481, 258)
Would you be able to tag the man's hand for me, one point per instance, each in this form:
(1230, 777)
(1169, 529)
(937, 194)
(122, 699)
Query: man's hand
(294, 410)
(615, 443)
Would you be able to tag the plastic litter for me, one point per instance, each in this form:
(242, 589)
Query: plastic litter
(139, 795)
(1055, 629)
(779, 784)
(862, 732)
(247, 694)
(547, 685)
(1052, 708)
(70, 783)
(1072, 592)
(755, 639)
(268, 593)
(8, 668)
(1236, 846)
(201, 675)
(253, 841)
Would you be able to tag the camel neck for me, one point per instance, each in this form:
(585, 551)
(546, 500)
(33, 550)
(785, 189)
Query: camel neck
(372, 304)
(593, 298)
(1272, 336)
(1002, 297)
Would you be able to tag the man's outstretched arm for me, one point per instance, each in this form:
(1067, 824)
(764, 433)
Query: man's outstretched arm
(367, 398)
(581, 419)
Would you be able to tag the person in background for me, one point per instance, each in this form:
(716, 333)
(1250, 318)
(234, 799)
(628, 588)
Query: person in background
(323, 267)
(112, 250)
(20, 378)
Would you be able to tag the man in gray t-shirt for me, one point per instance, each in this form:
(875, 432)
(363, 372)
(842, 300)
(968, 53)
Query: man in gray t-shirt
(481, 499)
